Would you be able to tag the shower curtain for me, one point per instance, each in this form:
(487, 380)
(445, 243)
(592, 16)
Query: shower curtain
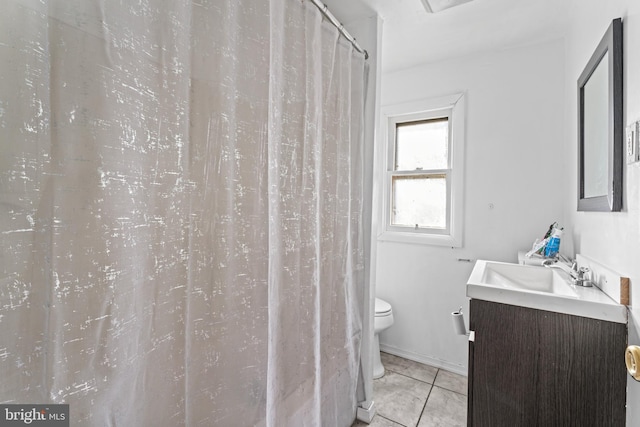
(180, 212)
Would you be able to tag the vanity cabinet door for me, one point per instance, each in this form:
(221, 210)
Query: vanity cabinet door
(538, 368)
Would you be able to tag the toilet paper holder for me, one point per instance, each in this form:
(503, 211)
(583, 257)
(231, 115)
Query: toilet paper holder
(457, 318)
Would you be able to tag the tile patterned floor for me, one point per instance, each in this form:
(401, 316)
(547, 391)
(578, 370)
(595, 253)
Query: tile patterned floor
(415, 395)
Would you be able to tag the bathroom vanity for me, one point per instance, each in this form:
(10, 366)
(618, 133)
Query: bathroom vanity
(541, 354)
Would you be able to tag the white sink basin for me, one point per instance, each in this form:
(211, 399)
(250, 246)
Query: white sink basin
(526, 278)
(540, 288)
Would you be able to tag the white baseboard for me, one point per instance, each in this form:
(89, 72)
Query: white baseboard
(436, 363)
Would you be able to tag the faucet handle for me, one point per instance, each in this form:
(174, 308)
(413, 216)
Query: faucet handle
(583, 277)
(583, 271)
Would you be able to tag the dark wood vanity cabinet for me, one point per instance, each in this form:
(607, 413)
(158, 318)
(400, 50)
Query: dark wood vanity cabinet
(531, 367)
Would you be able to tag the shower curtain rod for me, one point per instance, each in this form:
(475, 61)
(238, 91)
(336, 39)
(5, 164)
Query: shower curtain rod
(327, 13)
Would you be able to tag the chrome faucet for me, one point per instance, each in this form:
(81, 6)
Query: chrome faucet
(579, 276)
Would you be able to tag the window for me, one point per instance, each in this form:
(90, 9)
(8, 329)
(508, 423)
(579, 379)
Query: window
(424, 172)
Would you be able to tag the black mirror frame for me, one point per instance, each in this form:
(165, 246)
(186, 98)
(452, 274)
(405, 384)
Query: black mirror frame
(612, 43)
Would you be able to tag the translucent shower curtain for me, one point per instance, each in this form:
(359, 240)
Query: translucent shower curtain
(180, 212)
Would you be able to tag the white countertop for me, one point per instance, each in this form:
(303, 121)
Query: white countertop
(583, 301)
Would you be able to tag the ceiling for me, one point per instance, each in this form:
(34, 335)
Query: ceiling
(411, 36)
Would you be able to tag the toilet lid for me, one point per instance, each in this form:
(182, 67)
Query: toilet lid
(382, 307)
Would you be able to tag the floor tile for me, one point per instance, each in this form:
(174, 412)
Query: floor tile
(400, 398)
(378, 421)
(451, 381)
(444, 409)
(409, 368)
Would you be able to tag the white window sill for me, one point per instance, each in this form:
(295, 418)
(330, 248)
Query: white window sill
(420, 238)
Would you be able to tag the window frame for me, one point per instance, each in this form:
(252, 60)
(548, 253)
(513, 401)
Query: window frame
(452, 107)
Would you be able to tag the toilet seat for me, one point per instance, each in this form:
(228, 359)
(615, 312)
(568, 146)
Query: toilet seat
(383, 308)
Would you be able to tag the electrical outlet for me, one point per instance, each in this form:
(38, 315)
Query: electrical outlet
(632, 143)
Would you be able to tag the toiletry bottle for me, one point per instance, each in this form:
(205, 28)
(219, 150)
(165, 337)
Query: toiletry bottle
(547, 235)
(553, 246)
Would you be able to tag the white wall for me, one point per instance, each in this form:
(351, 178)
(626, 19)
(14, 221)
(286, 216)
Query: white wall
(514, 176)
(612, 239)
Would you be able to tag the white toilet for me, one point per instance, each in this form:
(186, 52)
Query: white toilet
(382, 320)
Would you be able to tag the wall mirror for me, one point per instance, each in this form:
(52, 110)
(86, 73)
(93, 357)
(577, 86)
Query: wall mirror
(600, 126)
